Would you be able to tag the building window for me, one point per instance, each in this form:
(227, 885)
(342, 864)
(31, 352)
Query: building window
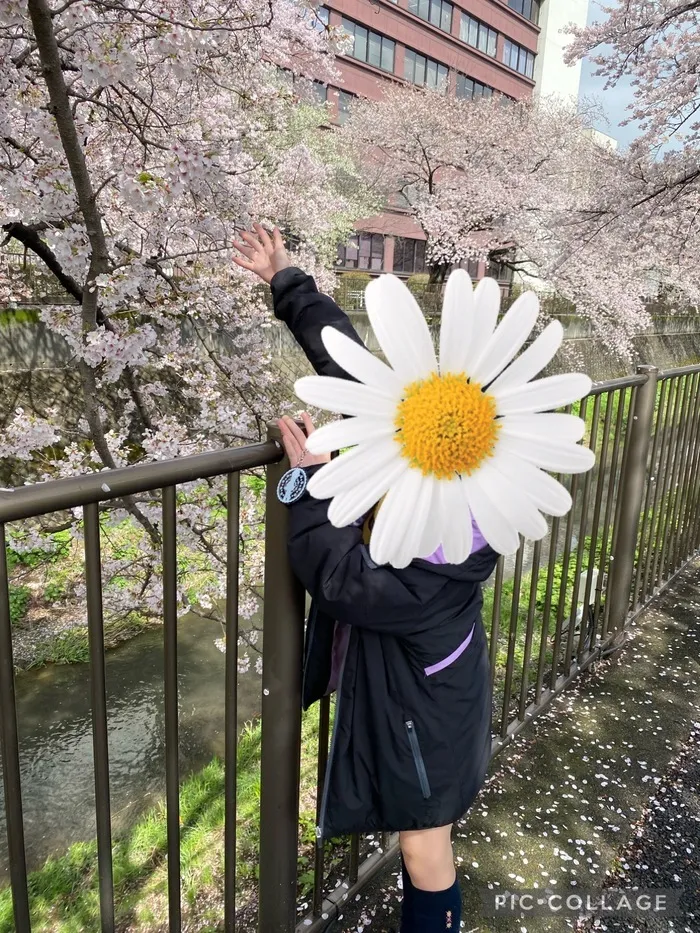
(501, 271)
(530, 9)
(320, 92)
(424, 71)
(370, 47)
(320, 18)
(345, 100)
(471, 89)
(437, 12)
(478, 35)
(363, 251)
(409, 256)
(519, 59)
(471, 266)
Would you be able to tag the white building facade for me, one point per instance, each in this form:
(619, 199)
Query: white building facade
(552, 75)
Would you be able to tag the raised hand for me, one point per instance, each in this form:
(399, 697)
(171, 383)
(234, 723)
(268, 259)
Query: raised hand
(262, 254)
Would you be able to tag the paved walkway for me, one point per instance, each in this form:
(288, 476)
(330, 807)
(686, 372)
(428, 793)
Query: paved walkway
(602, 789)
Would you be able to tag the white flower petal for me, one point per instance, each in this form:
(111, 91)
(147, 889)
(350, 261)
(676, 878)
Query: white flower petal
(347, 470)
(360, 363)
(499, 531)
(557, 458)
(391, 526)
(400, 328)
(348, 433)
(549, 427)
(352, 504)
(418, 516)
(518, 509)
(457, 532)
(543, 394)
(487, 303)
(545, 492)
(508, 338)
(457, 324)
(344, 397)
(434, 524)
(533, 360)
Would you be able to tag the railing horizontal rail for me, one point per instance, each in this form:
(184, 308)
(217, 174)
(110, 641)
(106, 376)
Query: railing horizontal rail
(611, 385)
(54, 495)
(679, 371)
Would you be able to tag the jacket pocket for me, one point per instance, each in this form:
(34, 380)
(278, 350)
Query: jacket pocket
(418, 758)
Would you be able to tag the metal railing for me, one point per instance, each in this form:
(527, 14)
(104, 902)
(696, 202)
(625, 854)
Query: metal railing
(552, 611)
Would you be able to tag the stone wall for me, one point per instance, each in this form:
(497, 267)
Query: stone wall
(672, 341)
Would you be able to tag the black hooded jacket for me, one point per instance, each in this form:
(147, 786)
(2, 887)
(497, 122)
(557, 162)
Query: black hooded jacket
(410, 746)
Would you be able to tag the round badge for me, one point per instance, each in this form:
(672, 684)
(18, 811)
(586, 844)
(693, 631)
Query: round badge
(292, 486)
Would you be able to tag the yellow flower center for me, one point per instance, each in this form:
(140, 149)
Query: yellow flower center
(446, 425)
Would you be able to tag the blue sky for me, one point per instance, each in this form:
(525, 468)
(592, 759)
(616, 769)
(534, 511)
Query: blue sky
(614, 100)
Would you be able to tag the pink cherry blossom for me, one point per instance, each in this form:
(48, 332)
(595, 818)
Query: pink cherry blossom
(163, 131)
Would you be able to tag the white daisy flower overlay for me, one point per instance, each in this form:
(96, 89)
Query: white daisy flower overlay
(441, 440)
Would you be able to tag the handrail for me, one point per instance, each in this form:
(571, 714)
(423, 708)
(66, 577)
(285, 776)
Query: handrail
(54, 495)
(622, 382)
(679, 371)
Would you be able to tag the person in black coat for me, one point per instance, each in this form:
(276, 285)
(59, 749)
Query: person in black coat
(405, 649)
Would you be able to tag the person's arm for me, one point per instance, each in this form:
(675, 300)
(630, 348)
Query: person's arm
(306, 312)
(296, 299)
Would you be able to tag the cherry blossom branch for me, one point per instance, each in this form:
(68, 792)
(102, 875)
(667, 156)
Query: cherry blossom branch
(30, 238)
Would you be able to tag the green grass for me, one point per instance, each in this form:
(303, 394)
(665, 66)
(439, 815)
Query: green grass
(72, 647)
(19, 602)
(64, 894)
(19, 316)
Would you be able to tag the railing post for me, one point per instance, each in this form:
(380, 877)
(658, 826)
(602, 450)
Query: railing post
(10, 755)
(283, 638)
(631, 494)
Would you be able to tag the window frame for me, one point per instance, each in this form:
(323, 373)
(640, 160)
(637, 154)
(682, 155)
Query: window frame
(479, 89)
(413, 250)
(519, 7)
(524, 61)
(366, 246)
(424, 9)
(345, 99)
(369, 38)
(442, 71)
(469, 25)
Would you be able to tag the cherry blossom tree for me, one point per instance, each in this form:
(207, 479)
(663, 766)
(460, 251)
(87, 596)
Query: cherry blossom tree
(136, 138)
(657, 45)
(524, 183)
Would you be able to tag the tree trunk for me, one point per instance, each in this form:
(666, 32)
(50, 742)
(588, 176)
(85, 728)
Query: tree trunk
(60, 109)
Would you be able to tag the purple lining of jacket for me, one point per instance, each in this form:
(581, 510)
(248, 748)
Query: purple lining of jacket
(342, 632)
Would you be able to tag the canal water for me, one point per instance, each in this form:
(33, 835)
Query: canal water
(55, 728)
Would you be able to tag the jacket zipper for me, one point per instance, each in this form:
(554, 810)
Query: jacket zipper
(418, 758)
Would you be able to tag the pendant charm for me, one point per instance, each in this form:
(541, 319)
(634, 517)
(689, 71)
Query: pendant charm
(292, 486)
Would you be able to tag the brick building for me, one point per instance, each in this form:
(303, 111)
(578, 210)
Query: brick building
(474, 48)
